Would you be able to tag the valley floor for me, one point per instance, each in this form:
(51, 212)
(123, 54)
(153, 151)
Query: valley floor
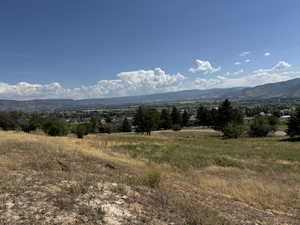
(168, 178)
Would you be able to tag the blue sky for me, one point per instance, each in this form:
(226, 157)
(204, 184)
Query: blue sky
(104, 48)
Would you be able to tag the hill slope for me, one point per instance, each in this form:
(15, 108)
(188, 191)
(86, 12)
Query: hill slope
(286, 89)
(123, 179)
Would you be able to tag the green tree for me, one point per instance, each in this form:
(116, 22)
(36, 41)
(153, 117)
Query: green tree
(273, 121)
(294, 124)
(233, 130)
(260, 127)
(32, 123)
(11, 120)
(165, 119)
(81, 130)
(203, 116)
(227, 114)
(94, 124)
(185, 118)
(146, 120)
(55, 127)
(105, 128)
(176, 116)
(139, 120)
(126, 126)
(151, 120)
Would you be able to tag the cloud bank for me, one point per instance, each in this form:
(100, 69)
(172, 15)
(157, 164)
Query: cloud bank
(143, 82)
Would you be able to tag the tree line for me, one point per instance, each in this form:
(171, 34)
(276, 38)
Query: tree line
(225, 118)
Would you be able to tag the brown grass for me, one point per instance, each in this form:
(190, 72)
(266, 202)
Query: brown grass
(187, 192)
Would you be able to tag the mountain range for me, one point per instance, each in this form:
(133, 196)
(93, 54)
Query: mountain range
(282, 90)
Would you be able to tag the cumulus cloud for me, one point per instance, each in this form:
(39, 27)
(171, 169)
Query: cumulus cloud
(237, 63)
(244, 54)
(128, 83)
(279, 72)
(267, 54)
(281, 65)
(143, 82)
(247, 60)
(204, 67)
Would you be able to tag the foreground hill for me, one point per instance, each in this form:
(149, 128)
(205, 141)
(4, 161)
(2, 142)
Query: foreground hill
(169, 178)
(288, 89)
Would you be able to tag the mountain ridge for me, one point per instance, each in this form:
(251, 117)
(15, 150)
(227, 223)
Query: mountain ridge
(282, 90)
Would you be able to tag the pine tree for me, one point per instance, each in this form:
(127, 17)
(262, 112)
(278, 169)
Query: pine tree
(139, 120)
(126, 126)
(294, 125)
(94, 124)
(203, 116)
(227, 114)
(165, 119)
(176, 116)
(185, 118)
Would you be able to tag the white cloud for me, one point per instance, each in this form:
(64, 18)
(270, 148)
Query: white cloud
(267, 54)
(204, 67)
(237, 63)
(235, 73)
(143, 82)
(282, 65)
(279, 72)
(247, 60)
(128, 83)
(244, 54)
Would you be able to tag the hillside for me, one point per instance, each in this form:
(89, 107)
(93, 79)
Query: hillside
(131, 179)
(54, 104)
(286, 89)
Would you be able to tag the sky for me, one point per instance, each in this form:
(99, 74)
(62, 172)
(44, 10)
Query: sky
(105, 48)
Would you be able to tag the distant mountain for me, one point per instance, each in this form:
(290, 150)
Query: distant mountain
(281, 90)
(59, 104)
(287, 89)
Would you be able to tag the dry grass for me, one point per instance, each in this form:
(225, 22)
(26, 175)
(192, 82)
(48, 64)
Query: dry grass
(194, 176)
(262, 172)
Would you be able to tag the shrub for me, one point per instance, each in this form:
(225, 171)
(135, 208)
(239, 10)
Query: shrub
(260, 127)
(151, 178)
(294, 125)
(273, 121)
(176, 127)
(126, 126)
(55, 127)
(233, 130)
(105, 128)
(81, 130)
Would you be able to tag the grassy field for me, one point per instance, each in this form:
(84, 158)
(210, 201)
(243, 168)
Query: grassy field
(198, 176)
(262, 172)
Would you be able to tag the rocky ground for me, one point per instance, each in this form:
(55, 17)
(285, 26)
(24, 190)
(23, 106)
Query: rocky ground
(104, 203)
(62, 182)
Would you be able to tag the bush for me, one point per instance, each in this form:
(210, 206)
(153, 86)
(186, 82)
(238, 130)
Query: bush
(260, 127)
(294, 124)
(176, 127)
(273, 121)
(55, 127)
(81, 130)
(151, 178)
(105, 129)
(233, 130)
(126, 126)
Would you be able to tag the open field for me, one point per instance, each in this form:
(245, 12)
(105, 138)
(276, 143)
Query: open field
(167, 178)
